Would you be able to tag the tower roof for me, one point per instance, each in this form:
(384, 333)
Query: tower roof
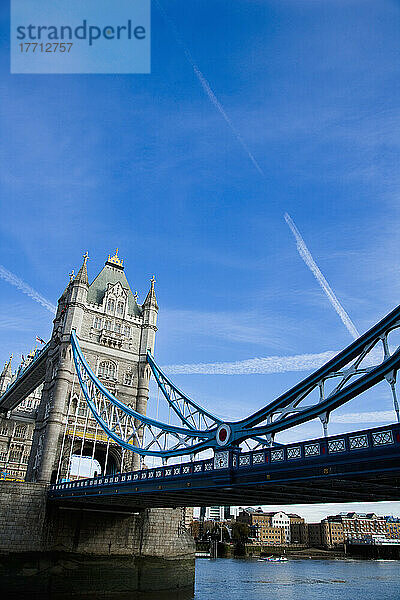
(112, 273)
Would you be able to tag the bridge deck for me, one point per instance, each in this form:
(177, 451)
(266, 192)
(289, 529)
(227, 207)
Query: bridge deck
(362, 466)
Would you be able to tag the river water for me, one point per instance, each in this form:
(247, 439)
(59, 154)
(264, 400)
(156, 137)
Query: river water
(348, 579)
(250, 579)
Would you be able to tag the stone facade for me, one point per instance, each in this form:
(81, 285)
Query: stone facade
(45, 548)
(22, 516)
(114, 332)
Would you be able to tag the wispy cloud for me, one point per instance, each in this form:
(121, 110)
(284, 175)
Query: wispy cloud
(26, 289)
(17, 323)
(248, 327)
(311, 264)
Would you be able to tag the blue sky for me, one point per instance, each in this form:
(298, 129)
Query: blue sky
(148, 163)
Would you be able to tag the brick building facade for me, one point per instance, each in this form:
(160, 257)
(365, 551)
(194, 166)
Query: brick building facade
(266, 528)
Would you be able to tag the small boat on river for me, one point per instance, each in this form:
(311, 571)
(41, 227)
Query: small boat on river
(272, 559)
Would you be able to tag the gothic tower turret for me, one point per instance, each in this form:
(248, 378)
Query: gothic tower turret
(5, 376)
(114, 332)
(150, 310)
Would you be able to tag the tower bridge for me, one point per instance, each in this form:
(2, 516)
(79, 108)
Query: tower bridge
(95, 373)
(94, 376)
(362, 466)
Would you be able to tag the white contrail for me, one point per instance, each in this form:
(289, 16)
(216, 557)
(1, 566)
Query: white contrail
(378, 416)
(206, 87)
(310, 262)
(266, 365)
(209, 92)
(26, 289)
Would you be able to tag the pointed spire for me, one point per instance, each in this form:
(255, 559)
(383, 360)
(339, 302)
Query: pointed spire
(151, 299)
(115, 261)
(6, 372)
(82, 276)
(71, 279)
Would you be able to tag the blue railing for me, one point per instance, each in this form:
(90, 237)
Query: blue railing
(349, 443)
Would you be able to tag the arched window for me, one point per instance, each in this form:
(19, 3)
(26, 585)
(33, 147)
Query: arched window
(16, 455)
(120, 308)
(127, 331)
(4, 429)
(117, 327)
(20, 431)
(3, 452)
(107, 369)
(82, 410)
(110, 306)
(97, 323)
(108, 325)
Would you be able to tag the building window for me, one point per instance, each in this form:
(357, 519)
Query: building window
(120, 308)
(15, 456)
(82, 410)
(128, 379)
(107, 369)
(117, 328)
(127, 331)
(97, 323)
(110, 306)
(108, 325)
(4, 429)
(20, 431)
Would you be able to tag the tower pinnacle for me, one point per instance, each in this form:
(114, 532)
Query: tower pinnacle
(115, 261)
(82, 276)
(7, 367)
(151, 299)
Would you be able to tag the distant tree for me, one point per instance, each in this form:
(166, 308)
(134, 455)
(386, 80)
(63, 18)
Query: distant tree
(216, 531)
(240, 532)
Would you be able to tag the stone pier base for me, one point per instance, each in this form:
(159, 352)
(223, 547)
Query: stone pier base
(51, 552)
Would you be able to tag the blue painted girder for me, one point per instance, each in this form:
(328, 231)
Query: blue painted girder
(238, 431)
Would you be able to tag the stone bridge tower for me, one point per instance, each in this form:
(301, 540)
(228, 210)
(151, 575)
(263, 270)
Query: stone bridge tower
(114, 332)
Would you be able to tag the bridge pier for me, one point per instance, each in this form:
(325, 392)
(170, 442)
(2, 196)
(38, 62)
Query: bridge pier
(51, 551)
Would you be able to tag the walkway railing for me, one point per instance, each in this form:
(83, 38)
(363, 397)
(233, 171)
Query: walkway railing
(305, 452)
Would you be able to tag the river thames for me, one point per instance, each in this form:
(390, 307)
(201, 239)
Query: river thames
(297, 579)
(250, 579)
